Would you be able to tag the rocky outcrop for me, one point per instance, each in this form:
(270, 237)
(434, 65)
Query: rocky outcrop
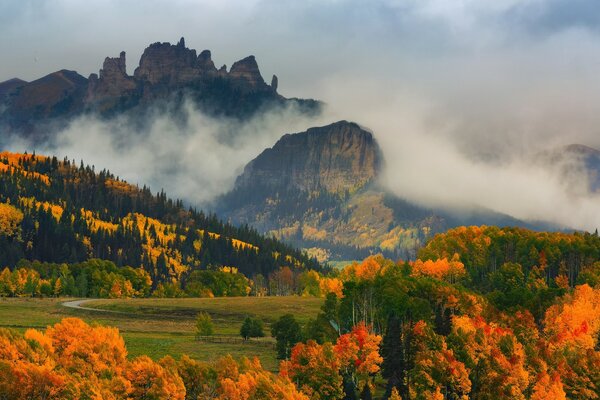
(164, 63)
(246, 72)
(336, 158)
(111, 84)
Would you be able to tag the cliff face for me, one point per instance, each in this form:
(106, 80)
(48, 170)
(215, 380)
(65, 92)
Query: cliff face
(336, 158)
(166, 72)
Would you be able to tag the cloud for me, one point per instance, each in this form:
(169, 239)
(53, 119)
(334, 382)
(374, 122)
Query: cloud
(195, 158)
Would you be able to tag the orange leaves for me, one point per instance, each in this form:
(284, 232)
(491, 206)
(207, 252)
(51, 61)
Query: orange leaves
(370, 268)
(331, 285)
(548, 388)
(575, 321)
(359, 351)
(85, 349)
(441, 269)
(496, 353)
(149, 380)
(315, 368)
(252, 382)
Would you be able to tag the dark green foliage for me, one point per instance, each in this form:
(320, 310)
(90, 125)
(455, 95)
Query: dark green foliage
(326, 326)
(252, 328)
(366, 393)
(398, 352)
(287, 332)
(218, 283)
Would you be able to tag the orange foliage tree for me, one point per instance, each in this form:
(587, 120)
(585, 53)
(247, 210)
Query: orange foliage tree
(442, 269)
(314, 369)
(358, 353)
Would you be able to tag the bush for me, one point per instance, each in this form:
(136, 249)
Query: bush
(204, 324)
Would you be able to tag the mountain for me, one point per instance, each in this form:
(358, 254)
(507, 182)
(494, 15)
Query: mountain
(167, 75)
(54, 211)
(319, 189)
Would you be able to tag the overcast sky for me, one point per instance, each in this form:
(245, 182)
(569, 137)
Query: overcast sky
(461, 93)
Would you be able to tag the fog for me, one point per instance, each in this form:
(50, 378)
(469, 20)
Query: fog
(461, 95)
(196, 159)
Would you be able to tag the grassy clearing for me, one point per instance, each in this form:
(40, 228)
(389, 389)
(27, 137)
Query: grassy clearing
(159, 327)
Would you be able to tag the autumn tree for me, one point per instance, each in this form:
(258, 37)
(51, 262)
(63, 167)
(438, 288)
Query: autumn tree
(314, 369)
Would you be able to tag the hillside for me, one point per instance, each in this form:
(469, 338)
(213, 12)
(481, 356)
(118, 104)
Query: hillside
(167, 75)
(55, 211)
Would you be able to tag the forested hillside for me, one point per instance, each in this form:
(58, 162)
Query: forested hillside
(55, 211)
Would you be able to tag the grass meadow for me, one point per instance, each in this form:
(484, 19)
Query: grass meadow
(159, 327)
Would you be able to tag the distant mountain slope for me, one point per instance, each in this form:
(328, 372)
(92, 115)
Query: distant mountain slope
(575, 163)
(166, 74)
(54, 211)
(319, 190)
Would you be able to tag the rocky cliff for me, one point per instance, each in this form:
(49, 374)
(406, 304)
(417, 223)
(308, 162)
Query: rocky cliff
(341, 157)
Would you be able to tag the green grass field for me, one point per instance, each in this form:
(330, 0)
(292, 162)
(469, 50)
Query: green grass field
(159, 327)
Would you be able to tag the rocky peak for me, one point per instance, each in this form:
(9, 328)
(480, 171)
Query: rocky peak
(167, 63)
(247, 70)
(205, 62)
(111, 84)
(274, 82)
(114, 67)
(338, 157)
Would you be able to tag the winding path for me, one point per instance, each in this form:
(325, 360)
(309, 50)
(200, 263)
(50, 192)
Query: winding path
(78, 305)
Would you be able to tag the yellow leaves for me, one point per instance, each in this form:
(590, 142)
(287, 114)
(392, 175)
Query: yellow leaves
(120, 186)
(395, 395)
(311, 233)
(96, 223)
(31, 202)
(10, 219)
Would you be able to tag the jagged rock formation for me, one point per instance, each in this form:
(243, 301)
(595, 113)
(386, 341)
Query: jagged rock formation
(166, 73)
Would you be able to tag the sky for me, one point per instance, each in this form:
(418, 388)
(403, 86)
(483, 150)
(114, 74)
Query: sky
(462, 95)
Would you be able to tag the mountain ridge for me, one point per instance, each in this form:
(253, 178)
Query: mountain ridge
(166, 73)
